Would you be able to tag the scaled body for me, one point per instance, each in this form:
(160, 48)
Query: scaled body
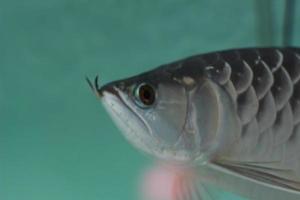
(233, 111)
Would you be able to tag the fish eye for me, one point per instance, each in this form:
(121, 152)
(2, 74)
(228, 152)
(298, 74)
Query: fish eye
(144, 95)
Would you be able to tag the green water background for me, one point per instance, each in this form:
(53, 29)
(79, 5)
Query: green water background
(56, 141)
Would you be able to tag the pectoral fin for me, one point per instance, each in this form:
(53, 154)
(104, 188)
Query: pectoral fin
(169, 182)
(268, 173)
(194, 191)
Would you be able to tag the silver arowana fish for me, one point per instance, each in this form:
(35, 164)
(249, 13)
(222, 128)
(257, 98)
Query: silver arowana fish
(234, 115)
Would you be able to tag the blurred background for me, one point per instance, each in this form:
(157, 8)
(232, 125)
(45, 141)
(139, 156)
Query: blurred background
(56, 141)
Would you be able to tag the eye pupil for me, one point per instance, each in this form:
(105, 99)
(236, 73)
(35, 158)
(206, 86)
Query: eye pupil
(146, 94)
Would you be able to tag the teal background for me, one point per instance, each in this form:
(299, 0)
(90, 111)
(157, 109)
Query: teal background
(56, 141)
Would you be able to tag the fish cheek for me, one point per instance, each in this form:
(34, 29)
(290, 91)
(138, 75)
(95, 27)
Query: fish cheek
(167, 117)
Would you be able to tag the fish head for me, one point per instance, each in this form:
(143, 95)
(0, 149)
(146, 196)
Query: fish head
(170, 117)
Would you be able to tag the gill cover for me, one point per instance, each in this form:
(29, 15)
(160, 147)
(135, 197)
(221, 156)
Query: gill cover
(202, 119)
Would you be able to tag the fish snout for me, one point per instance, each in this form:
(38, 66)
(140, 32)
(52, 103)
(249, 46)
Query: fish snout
(99, 91)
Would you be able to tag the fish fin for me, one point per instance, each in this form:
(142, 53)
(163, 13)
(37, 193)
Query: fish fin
(172, 182)
(268, 173)
(194, 191)
(200, 190)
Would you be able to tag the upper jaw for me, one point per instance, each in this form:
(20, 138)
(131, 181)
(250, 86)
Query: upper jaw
(130, 124)
(99, 91)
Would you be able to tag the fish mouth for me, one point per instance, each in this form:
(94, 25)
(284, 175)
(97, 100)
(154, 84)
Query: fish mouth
(135, 130)
(99, 90)
(110, 89)
(129, 123)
